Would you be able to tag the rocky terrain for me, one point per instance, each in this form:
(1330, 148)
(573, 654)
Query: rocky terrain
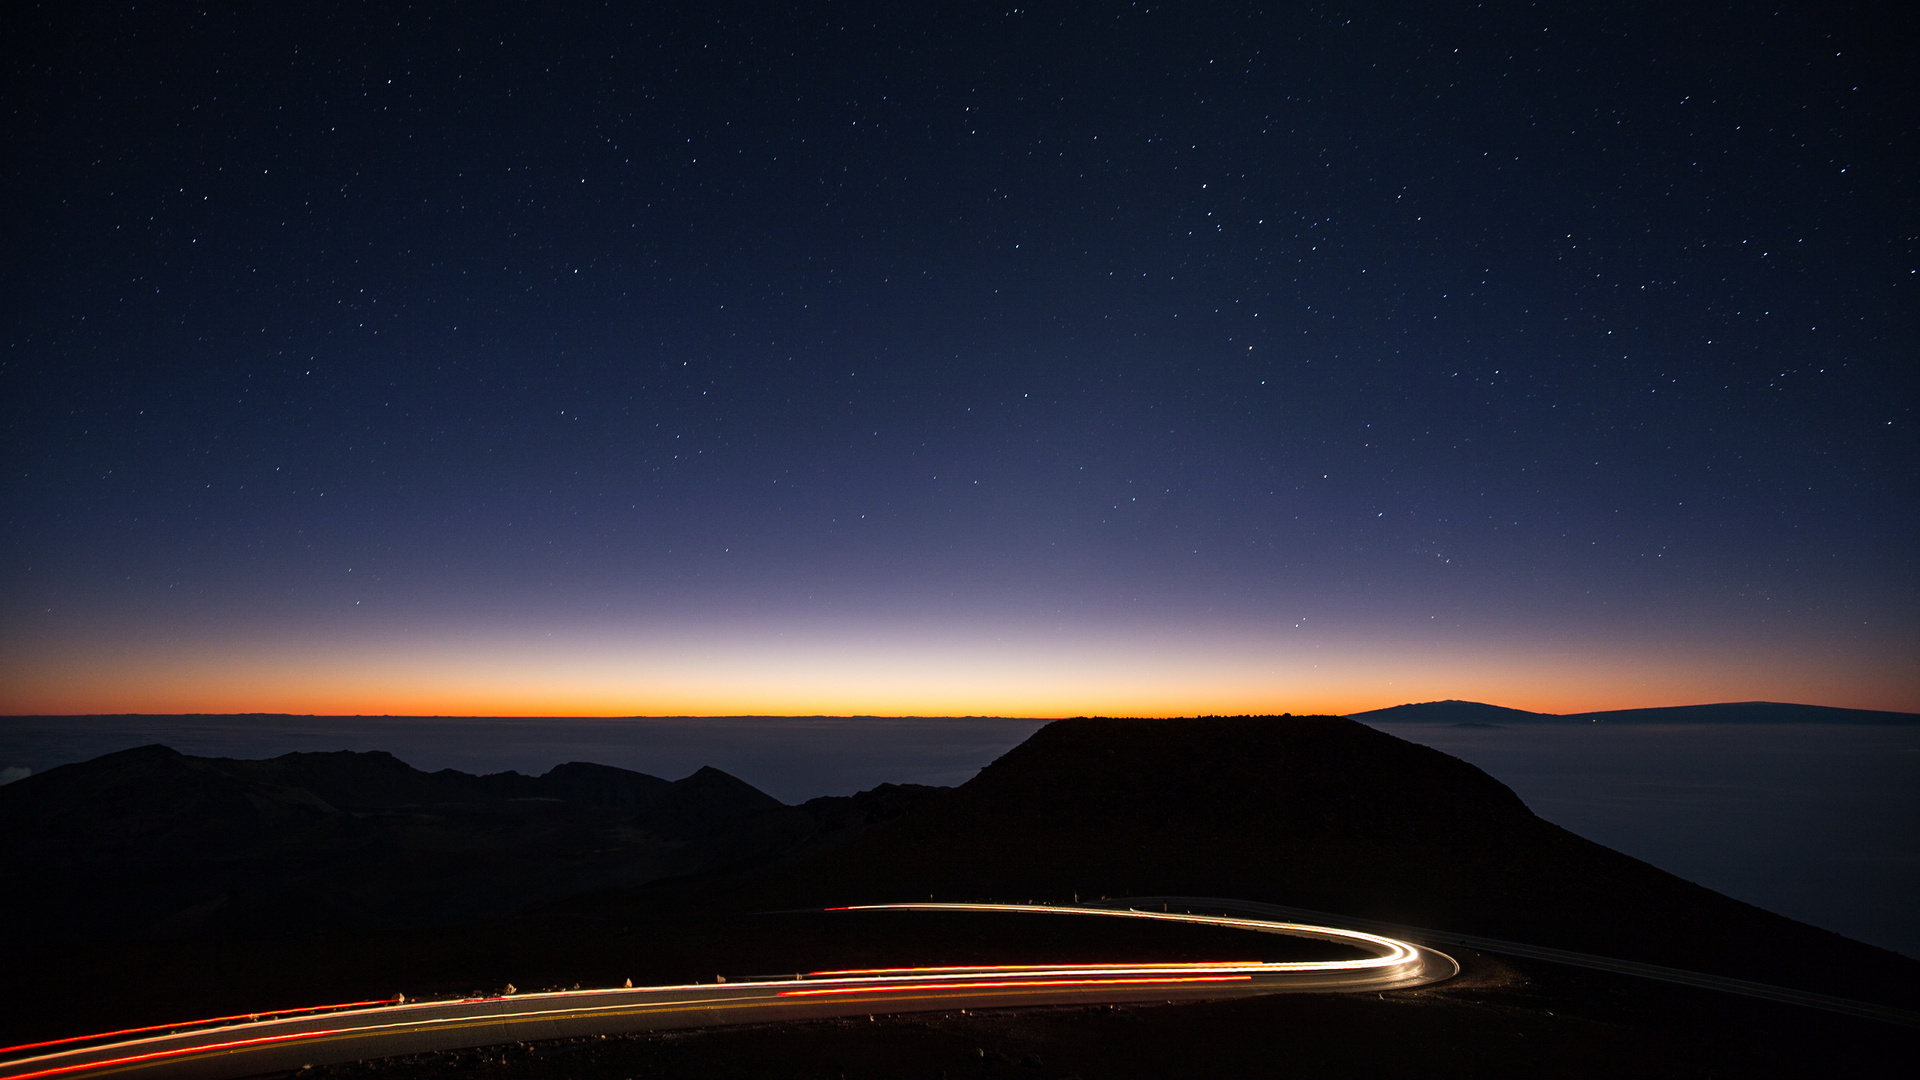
(147, 886)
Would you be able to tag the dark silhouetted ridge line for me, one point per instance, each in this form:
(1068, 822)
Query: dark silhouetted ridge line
(1424, 936)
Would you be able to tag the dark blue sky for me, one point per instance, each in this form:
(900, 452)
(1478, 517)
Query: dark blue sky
(1452, 328)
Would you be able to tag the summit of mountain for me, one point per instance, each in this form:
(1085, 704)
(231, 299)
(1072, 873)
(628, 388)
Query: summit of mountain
(1314, 812)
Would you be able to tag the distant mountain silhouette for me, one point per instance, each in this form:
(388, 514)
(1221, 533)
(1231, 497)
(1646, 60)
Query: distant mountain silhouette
(1455, 712)
(150, 841)
(1732, 712)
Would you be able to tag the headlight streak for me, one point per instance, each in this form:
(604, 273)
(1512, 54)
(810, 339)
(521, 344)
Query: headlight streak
(1391, 953)
(999, 983)
(332, 1034)
(968, 969)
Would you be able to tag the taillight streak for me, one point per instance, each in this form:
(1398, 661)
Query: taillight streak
(184, 1051)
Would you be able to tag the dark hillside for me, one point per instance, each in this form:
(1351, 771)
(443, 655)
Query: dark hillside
(239, 885)
(1322, 813)
(149, 841)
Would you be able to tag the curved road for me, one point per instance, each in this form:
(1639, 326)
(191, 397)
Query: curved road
(1704, 980)
(243, 1046)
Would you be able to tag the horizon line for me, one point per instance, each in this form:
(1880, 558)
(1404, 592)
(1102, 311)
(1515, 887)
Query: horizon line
(934, 716)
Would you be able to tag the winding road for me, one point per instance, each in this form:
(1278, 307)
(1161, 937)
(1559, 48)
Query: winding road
(244, 1046)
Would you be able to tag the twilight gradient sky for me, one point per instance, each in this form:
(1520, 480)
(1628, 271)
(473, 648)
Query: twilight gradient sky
(945, 359)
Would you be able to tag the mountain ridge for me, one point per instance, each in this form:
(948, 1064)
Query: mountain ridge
(1453, 711)
(1324, 813)
(150, 841)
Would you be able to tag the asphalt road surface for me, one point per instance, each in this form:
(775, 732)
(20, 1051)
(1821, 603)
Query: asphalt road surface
(244, 1046)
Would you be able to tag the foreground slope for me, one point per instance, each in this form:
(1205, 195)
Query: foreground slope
(1315, 812)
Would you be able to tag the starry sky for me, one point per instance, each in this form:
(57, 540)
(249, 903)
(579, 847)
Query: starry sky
(574, 359)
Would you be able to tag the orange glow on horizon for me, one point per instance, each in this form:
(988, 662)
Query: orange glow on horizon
(928, 674)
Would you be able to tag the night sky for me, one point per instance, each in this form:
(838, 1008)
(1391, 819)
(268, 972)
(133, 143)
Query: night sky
(909, 358)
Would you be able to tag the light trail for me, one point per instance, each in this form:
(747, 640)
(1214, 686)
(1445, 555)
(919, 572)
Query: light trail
(322, 1035)
(264, 1014)
(1701, 979)
(999, 983)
